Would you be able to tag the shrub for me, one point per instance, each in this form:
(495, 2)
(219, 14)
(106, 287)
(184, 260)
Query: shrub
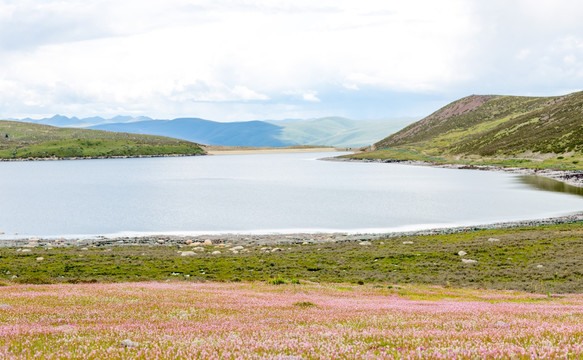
(276, 281)
(304, 304)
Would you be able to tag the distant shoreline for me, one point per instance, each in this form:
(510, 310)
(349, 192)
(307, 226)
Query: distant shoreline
(212, 150)
(99, 157)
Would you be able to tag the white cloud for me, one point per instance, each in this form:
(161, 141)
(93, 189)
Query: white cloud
(178, 57)
(311, 96)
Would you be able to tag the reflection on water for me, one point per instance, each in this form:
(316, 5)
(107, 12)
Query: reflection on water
(543, 183)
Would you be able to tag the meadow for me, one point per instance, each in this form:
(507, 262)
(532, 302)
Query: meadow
(489, 294)
(543, 259)
(179, 320)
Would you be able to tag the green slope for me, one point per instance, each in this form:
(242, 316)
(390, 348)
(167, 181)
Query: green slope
(20, 140)
(504, 130)
(337, 131)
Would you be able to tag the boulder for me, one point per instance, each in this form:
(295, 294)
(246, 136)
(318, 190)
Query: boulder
(187, 253)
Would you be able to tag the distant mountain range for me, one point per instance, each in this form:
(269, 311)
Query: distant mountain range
(329, 131)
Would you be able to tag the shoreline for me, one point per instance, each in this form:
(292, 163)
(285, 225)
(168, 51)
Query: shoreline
(243, 151)
(101, 157)
(273, 239)
(569, 177)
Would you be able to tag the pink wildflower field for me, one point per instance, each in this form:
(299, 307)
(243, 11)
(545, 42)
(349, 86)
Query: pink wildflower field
(165, 320)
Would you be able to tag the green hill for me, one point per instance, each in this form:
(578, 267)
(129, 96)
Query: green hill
(542, 132)
(337, 131)
(20, 140)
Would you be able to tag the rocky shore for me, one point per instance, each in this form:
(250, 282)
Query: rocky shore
(270, 239)
(571, 177)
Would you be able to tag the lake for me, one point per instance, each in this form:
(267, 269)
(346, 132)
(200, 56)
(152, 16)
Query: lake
(260, 193)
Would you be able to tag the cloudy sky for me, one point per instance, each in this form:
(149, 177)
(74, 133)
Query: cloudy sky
(231, 60)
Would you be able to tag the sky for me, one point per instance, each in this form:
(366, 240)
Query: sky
(235, 60)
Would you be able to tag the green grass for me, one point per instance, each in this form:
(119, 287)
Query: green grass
(511, 263)
(27, 140)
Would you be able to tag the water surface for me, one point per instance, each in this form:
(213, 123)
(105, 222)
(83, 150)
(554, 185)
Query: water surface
(263, 193)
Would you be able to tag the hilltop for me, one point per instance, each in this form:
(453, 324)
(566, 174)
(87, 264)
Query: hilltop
(19, 140)
(543, 132)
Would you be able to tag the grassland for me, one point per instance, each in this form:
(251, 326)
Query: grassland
(532, 132)
(20, 140)
(179, 320)
(536, 259)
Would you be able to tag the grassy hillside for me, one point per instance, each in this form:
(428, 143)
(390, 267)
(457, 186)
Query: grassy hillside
(505, 130)
(20, 140)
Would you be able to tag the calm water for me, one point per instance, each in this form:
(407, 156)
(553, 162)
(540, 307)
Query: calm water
(257, 194)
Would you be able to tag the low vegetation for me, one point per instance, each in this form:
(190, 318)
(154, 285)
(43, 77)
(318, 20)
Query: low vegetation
(178, 320)
(535, 132)
(20, 140)
(535, 259)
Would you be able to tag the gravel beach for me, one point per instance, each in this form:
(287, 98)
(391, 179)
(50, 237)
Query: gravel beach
(271, 239)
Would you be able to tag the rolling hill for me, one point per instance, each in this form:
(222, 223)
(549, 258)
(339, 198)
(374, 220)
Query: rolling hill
(493, 129)
(20, 140)
(330, 131)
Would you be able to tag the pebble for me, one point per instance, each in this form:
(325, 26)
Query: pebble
(493, 240)
(129, 343)
(365, 243)
(540, 266)
(462, 253)
(187, 253)
(407, 242)
(275, 249)
(25, 250)
(237, 248)
(469, 261)
(198, 248)
(40, 258)
(216, 252)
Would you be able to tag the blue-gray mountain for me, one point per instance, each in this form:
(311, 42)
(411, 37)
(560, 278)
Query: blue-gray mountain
(329, 131)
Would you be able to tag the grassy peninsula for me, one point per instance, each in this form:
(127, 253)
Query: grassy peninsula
(19, 140)
(530, 132)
